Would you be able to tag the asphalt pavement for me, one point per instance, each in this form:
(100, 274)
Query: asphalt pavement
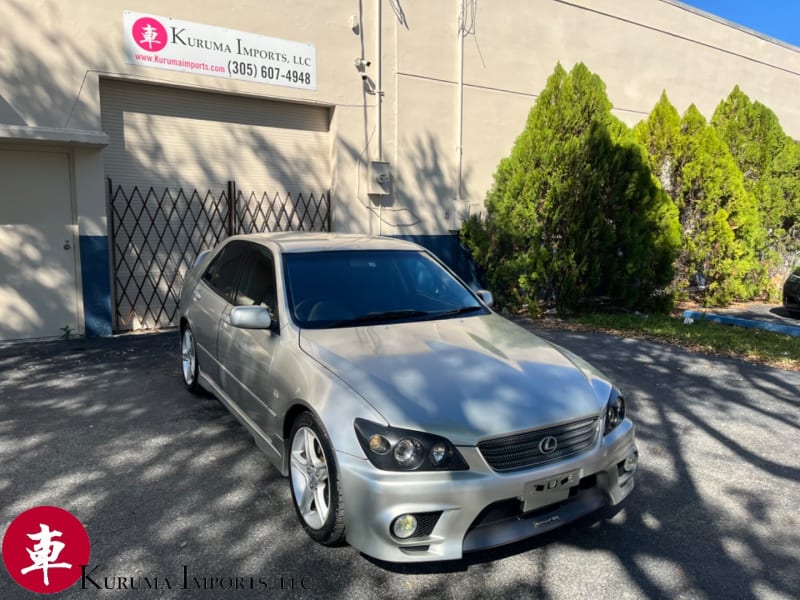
(174, 493)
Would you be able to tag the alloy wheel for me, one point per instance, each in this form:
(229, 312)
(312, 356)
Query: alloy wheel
(310, 478)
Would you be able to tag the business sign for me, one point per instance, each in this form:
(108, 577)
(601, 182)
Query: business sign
(165, 43)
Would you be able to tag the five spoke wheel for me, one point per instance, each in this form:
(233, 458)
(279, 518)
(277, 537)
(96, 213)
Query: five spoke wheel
(314, 481)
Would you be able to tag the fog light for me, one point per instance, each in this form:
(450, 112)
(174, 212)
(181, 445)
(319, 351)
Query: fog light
(404, 526)
(630, 463)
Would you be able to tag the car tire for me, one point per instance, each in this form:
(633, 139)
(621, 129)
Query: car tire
(314, 481)
(189, 365)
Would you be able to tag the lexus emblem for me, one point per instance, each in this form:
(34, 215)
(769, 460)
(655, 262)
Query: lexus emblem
(548, 444)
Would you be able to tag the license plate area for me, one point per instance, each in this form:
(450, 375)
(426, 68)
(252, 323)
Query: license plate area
(543, 492)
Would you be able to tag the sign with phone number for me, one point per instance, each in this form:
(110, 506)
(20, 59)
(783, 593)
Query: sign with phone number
(166, 43)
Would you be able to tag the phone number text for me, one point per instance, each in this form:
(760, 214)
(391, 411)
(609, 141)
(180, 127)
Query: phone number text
(254, 71)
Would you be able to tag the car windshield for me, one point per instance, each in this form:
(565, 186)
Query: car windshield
(365, 287)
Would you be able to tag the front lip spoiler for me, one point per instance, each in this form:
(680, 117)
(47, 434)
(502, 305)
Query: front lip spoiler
(515, 529)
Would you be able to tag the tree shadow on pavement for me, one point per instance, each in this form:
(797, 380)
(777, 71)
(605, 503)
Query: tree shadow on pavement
(163, 479)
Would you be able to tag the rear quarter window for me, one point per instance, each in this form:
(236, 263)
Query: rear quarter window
(222, 275)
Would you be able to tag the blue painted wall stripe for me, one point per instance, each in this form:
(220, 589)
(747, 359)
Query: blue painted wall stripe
(96, 285)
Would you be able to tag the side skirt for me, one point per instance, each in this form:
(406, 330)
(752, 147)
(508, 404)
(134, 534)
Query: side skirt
(262, 441)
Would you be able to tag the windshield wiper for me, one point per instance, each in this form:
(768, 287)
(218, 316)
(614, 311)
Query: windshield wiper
(379, 317)
(456, 311)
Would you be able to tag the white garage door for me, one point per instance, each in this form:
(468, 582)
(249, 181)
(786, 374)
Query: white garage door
(179, 137)
(172, 155)
(38, 290)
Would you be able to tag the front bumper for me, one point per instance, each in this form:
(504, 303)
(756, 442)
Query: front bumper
(479, 508)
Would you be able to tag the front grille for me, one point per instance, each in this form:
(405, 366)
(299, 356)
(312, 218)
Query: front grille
(521, 450)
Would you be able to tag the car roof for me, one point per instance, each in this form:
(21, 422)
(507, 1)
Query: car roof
(316, 241)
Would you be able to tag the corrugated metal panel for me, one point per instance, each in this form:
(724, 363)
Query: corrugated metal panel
(171, 137)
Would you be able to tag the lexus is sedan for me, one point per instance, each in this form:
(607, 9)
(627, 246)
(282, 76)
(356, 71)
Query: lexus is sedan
(411, 420)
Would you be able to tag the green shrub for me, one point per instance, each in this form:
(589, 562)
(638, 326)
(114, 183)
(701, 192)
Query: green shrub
(574, 215)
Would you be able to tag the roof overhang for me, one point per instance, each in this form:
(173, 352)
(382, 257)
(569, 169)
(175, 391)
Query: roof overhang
(52, 135)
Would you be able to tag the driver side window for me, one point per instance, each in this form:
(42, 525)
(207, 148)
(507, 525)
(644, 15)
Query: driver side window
(257, 286)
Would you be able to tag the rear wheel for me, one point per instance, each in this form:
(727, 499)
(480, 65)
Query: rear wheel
(316, 491)
(189, 368)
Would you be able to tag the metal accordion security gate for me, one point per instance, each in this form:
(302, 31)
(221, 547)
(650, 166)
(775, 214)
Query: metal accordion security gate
(156, 234)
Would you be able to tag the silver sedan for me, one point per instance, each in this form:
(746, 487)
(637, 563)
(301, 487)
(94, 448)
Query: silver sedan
(412, 421)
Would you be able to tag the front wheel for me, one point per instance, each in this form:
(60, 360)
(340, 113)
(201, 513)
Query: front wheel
(189, 368)
(316, 491)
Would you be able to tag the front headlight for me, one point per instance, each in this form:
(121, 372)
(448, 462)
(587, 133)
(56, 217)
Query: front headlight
(615, 411)
(393, 449)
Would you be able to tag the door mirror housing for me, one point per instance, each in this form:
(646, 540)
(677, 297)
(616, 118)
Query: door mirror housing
(251, 317)
(486, 297)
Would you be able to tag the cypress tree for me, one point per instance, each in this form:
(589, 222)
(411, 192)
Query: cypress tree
(574, 213)
(720, 219)
(660, 135)
(769, 160)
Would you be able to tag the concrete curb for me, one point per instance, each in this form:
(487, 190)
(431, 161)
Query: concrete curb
(739, 322)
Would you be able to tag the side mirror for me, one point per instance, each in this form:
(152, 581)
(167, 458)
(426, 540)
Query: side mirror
(200, 258)
(251, 317)
(486, 296)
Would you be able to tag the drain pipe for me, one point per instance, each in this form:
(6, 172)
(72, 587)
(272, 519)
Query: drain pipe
(378, 77)
(379, 96)
(459, 114)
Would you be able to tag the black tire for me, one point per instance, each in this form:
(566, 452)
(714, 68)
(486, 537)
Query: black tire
(189, 362)
(320, 506)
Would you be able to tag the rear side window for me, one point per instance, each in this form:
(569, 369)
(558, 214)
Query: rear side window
(224, 271)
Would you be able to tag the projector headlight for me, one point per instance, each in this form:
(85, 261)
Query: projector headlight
(393, 449)
(615, 411)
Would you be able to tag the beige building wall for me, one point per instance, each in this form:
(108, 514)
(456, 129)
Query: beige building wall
(449, 112)
(52, 55)
(639, 48)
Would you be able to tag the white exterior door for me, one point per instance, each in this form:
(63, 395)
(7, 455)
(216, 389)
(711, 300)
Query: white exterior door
(38, 250)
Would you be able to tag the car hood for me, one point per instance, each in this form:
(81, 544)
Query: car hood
(466, 379)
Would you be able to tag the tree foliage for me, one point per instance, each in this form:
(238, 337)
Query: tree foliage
(721, 224)
(660, 135)
(770, 163)
(584, 208)
(720, 220)
(574, 213)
